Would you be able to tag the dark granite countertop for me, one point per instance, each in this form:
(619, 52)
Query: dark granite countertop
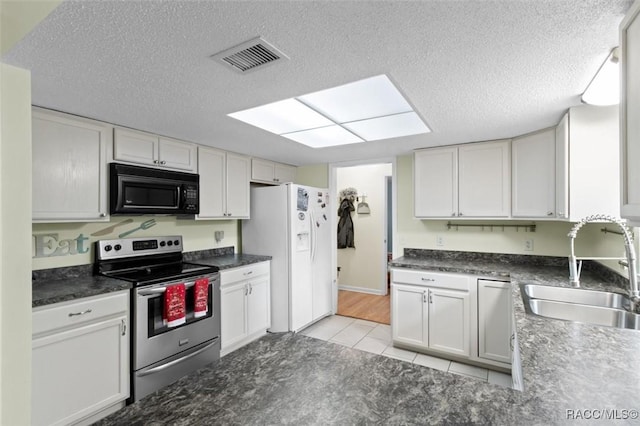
(568, 368)
(229, 260)
(67, 283)
(62, 284)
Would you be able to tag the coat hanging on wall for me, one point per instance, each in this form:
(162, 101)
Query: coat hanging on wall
(346, 236)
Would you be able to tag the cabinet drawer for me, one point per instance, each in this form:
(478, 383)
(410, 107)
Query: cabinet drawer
(85, 310)
(243, 273)
(431, 279)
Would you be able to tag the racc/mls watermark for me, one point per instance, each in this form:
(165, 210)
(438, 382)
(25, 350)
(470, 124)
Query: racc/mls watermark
(601, 414)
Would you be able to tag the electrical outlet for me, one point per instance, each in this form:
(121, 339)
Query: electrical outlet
(440, 241)
(528, 245)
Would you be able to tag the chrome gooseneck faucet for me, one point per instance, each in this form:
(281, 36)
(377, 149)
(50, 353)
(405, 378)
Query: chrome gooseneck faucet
(574, 269)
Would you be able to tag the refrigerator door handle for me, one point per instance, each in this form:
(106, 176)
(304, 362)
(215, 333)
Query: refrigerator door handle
(312, 235)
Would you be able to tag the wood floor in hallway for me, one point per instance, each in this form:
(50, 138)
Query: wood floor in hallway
(364, 306)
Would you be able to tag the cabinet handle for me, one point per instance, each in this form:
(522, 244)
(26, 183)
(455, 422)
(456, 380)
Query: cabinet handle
(549, 213)
(430, 297)
(453, 214)
(248, 273)
(424, 297)
(75, 314)
(103, 215)
(250, 289)
(163, 162)
(124, 328)
(246, 290)
(155, 162)
(460, 214)
(428, 279)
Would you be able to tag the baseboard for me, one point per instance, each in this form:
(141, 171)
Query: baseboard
(362, 290)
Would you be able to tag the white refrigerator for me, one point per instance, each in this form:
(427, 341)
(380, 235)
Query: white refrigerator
(290, 223)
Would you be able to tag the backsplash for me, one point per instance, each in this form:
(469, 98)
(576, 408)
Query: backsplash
(56, 245)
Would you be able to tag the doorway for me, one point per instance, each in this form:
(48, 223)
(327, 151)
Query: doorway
(362, 283)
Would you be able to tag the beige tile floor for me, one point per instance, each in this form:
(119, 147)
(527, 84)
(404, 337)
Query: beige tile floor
(376, 338)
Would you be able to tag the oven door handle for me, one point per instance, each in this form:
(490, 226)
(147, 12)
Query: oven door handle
(160, 290)
(159, 368)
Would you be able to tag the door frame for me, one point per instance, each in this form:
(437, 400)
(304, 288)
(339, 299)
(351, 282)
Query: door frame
(333, 200)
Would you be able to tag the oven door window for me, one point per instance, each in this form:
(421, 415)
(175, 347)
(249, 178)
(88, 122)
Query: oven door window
(142, 193)
(155, 309)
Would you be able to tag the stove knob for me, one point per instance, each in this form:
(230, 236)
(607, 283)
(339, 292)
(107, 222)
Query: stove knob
(169, 243)
(176, 242)
(117, 247)
(162, 244)
(107, 248)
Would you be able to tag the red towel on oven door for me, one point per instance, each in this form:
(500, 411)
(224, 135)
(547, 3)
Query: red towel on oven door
(175, 309)
(201, 294)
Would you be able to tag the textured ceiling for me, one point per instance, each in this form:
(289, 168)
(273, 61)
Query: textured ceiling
(475, 70)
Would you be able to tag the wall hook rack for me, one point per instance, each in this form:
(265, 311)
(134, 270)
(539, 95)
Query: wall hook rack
(491, 227)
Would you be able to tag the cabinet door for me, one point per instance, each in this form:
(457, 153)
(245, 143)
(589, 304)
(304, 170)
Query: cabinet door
(212, 170)
(630, 111)
(262, 170)
(258, 305)
(484, 179)
(562, 168)
(237, 193)
(409, 310)
(176, 154)
(135, 147)
(533, 175)
(449, 321)
(80, 371)
(233, 314)
(284, 173)
(435, 182)
(69, 168)
(494, 320)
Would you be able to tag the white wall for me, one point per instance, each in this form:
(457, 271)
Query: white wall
(15, 261)
(363, 268)
(197, 235)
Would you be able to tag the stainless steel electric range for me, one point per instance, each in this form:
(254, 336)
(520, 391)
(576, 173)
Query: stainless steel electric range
(162, 354)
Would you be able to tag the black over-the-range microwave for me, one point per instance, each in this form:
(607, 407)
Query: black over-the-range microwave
(143, 190)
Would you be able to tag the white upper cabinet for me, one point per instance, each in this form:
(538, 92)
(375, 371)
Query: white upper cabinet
(224, 184)
(436, 182)
(588, 177)
(69, 168)
(270, 172)
(144, 148)
(470, 180)
(533, 175)
(484, 186)
(630, 113)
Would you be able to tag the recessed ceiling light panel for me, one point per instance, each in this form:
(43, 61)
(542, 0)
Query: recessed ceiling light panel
(282, 117)
(391, 126)
(367, 110)
(371, 97)
(324, 137)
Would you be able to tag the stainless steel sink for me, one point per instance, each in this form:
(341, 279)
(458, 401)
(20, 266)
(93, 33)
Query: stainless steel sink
(579, 305)
(577, 295)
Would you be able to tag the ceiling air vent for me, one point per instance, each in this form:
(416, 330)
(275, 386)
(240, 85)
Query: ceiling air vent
(250, 55)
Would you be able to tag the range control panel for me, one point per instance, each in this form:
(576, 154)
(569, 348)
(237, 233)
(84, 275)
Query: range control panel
(129, 247)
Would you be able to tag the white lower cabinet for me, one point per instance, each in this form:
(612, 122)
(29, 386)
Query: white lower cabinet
(80, 359)
(431, 311)
(245, 297)
(454, 316)
(494, 320)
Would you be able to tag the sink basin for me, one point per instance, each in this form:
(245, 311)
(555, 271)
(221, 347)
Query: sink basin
(579, 305)
(577, 295)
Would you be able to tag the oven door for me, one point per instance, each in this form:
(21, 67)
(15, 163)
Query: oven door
(154, 341)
